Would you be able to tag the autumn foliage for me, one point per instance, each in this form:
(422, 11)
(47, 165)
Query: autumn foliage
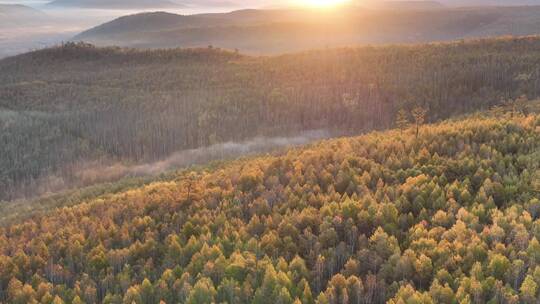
(450, 216)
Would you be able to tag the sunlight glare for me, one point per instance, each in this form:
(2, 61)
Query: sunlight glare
(323, 3)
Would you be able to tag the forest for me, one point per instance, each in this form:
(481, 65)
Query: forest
(442, 213)
(93, 106)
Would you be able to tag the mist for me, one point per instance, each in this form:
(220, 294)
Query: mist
(90, 173)
(226, 150)
(48, 26)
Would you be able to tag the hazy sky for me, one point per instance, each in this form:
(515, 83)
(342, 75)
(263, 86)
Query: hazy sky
(195, 2)
(278, 2)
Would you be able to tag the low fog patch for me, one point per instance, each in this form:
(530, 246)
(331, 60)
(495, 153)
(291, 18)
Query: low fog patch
(93, 172)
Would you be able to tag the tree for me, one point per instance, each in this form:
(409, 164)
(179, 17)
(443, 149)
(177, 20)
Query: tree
(21, 294)
(229, 292)
(202, 293)
(528, 290)
(133, 296)
(146, 291)
(533, 251)
(58, 300)
(498, 266)
(307, 296)
(424, 270)
(189, 183)
(402, 120)
(419, 116)
(77, 300)
(407, 294)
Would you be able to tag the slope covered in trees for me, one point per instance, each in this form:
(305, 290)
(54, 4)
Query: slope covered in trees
(98, 106)
(287, 30)
(449, 215)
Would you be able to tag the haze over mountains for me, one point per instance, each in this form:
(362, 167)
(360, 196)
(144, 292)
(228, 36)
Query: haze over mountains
(404, 5)
(31, 25)
(489, 2)
(23, 28)
(277, 31)
(19, 15)
(262, 33)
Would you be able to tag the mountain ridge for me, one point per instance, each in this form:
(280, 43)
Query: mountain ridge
(263, 32)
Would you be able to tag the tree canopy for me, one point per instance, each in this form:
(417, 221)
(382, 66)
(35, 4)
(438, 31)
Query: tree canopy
(450, 216)
(95, 107)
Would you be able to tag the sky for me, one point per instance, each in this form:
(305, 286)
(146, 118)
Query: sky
(205, 3)
(195, 2)
(258, 3)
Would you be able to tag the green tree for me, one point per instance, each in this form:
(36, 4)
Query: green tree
(402, 120)
(528, 290)
(499, 266)
(202, 293)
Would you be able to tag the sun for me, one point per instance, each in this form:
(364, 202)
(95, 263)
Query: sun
(323, 3)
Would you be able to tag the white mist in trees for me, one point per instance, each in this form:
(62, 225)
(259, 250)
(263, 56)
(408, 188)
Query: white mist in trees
(90, 173)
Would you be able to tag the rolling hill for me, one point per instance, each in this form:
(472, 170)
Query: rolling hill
(99, 110)
(280, 31)
(445, 216)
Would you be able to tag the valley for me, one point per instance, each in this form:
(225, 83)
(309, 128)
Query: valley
(107, 106)
(269, 152)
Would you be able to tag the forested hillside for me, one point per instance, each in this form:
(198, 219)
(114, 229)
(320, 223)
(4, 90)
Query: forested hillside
(449, 214)
(93, 107)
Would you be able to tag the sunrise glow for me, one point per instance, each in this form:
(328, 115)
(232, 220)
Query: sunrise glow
(323, 3)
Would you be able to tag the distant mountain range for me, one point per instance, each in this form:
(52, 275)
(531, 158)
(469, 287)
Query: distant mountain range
(431, 4)
(390, 4)
(116, 4)
(277, 31)
(13, 14)
(404, 5)
(489, 2)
